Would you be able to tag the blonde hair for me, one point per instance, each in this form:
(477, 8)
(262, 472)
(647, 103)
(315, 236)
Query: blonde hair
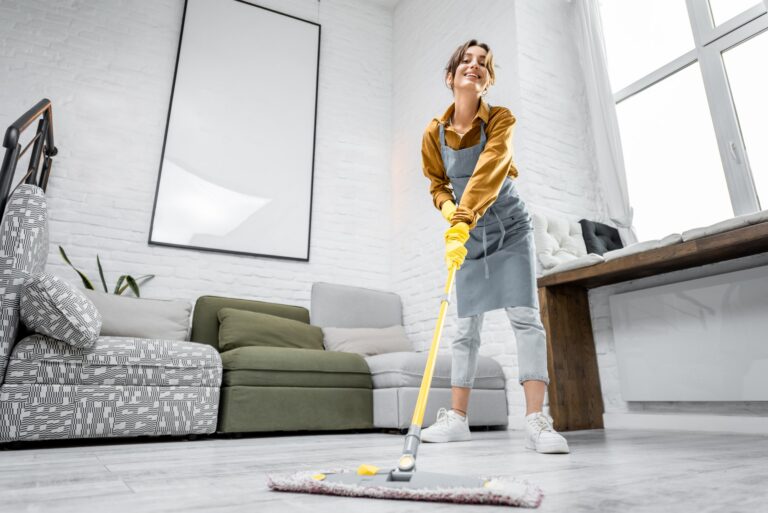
(458, 55)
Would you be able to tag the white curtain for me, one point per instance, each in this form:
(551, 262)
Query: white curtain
(605, 126)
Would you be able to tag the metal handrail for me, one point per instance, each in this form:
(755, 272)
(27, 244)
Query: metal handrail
(43, 145)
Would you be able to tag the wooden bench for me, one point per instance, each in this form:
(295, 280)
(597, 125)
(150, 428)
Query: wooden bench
(575, 397)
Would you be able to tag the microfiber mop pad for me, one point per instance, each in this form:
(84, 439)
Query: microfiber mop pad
(498, 491)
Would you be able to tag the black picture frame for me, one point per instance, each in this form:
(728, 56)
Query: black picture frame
(151, 239)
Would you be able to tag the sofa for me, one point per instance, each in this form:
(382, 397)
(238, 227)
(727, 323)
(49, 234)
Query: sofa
(119, 386)
(269, 388)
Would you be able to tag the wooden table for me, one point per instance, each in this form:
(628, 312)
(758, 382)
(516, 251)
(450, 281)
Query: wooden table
(575, 398)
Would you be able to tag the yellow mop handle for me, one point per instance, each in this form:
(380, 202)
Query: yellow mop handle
(426, 382)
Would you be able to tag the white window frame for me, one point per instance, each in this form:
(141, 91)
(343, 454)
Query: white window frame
(711, 41)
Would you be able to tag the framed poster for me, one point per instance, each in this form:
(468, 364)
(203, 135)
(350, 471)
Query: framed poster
(238, 155)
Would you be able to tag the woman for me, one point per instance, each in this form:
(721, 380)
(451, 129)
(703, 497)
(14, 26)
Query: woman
(467, 156)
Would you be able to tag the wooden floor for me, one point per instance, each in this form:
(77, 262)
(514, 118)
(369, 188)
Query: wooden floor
(616, 471)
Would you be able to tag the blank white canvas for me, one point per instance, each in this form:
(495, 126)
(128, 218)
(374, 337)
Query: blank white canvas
(699, 340)
(237, 169)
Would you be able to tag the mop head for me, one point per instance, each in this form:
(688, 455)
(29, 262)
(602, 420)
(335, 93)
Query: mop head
(496, 490)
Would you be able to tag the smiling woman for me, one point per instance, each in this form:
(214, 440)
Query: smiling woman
(467, 156)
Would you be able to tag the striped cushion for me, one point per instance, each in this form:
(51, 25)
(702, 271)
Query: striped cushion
(53, 307)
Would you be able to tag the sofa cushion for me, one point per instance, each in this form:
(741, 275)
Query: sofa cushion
(367, 341)
(557, 240)
(240, 328)
(54, 307)
(395, 370)
(291, 367)
(205, 320)
(600, 238)
(126, 316)
(344, 306)
(114, 361)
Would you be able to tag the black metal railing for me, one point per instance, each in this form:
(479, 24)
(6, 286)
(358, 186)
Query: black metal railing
(41, 144)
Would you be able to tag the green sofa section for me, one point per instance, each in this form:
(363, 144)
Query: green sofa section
(284, 388)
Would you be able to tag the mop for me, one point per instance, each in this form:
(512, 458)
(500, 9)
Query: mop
(403, 482)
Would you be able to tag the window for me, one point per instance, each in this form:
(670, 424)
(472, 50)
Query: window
(749, 85)
(690, 97)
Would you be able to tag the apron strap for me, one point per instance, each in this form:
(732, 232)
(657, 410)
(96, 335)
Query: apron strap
(482, 133)
(442, 135)
(501, 229)
(485, 253)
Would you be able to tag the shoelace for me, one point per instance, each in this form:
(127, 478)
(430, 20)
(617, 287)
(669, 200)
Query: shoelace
(541, 423)
(442, 416)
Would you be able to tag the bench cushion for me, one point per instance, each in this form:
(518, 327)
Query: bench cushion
(639, 247)
(290, 367)
(584, 261)
(39, 359)
(393, 370)
(724, 226)
(558, 240)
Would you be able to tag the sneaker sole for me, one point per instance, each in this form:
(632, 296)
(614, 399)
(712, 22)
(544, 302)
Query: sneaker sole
(552, 449)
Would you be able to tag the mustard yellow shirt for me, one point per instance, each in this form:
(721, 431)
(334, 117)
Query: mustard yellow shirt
(493, 166)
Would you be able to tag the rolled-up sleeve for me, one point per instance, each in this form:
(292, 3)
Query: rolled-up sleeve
(432, 164)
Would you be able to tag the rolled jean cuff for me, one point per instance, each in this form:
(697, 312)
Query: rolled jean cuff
(462, 384)
(523, 379)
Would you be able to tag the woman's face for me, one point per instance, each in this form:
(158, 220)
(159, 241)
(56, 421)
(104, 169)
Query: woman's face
(471, 74)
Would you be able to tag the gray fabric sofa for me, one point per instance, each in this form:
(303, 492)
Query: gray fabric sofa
(119, 387)
(397, 376)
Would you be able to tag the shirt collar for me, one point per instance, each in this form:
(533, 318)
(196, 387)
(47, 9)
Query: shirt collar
(484, 112)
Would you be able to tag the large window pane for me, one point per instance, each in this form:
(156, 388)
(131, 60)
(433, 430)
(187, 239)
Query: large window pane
(674, 174)
(749, 86)
(724, 10)
(643, 35)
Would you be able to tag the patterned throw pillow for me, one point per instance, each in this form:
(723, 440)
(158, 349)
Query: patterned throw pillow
(53, 307)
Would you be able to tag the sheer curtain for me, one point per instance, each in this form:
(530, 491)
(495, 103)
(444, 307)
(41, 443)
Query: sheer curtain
(605, 126)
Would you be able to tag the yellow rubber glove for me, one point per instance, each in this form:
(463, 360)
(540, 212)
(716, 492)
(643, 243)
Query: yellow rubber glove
(455, 238)
(448, 208)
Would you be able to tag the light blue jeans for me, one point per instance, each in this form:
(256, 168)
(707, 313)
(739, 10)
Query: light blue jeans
(531, 347)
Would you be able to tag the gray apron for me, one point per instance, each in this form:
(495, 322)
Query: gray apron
(499, 269)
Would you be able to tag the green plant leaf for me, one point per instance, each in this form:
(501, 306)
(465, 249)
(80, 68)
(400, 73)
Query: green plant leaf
(86, 282)
(145, 278)
(134, 286)
(101, 274)
(118, 289)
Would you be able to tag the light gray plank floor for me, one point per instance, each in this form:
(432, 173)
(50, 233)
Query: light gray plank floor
(611, 471)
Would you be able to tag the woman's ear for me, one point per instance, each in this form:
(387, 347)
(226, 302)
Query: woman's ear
(449, 80)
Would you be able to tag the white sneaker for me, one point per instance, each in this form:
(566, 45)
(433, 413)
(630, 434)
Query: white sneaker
(449, 427)
(541, 437)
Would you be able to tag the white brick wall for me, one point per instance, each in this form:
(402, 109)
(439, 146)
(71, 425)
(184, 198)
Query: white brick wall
(108, 67)
(538, 78)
